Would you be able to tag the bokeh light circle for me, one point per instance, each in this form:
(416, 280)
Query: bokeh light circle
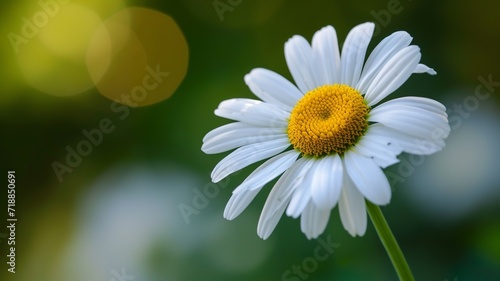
(138, 57)
(51, 40)
(66, 35)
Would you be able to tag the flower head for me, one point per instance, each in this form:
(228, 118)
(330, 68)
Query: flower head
(326, 137)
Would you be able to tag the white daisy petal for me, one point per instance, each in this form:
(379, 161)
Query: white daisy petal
(302, 193)
(393, 74)
(253, 112)
(408, 143)
(280, 196)
(238, 134)
(327, 182)
(384, 51)
(352, 208)
(372, 136)
(410, 120)
(247, 155)
(326, 54)
(273, 88)
(238, 203)
(299, 58)
(269, 170)
(354, 51)
(301, 196)
(367, 177)
(225, 129)
(246, 191)
(382, 152)
(422, 68)
(417, 102)
(313, 220)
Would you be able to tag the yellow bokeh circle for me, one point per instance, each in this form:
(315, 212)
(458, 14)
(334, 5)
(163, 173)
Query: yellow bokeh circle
(50, 43)
(138, 57)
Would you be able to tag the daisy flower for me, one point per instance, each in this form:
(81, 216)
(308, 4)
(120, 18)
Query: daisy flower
(327, 137)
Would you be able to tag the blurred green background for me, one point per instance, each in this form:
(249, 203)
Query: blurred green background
(117, 214)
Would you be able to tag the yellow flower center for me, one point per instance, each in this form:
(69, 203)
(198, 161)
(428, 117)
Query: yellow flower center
(328, 119)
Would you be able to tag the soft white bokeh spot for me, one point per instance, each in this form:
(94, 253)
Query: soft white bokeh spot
(464, 176)
(130, 219)
(129, 216)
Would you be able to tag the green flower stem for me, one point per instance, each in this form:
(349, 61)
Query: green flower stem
(389, 242)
